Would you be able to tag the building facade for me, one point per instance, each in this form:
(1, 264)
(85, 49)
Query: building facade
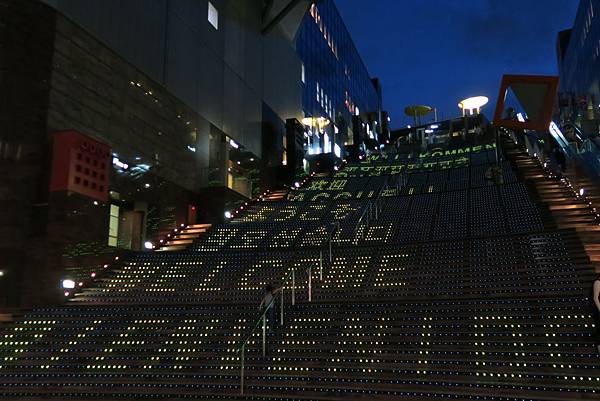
(341, 102)
(578, 53)
(121, 120)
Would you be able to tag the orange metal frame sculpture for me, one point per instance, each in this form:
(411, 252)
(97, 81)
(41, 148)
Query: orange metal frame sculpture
(542, 124)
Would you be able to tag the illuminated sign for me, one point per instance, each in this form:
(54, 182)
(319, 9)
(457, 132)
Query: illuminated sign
(118, 163)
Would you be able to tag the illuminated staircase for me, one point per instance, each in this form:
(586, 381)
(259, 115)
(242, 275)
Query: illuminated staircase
(569, 208)
(460, 289)
(184, 238)
(276, 195)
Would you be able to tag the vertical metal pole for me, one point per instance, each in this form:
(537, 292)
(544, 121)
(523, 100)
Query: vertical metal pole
(293, 287)
(281, 308)
(330, 252)
(321, 265)
(497, 137)
(310, 284)
(264, 342)
(242, 372)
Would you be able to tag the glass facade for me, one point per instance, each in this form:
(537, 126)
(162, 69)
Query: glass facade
(579, 59)
(336, 83)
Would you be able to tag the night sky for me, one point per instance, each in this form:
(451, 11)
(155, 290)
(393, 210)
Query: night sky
(438, 52)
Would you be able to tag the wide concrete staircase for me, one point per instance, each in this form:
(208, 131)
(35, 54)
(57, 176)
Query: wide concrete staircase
(455, 288)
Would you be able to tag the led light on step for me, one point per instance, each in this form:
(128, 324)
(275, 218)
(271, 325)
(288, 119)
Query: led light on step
(68, 284)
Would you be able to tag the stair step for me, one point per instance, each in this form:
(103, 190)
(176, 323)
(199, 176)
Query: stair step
(172, 248)
(568, 207)
(180, 242)
(205, 225)
(194, 231)
(187, 236)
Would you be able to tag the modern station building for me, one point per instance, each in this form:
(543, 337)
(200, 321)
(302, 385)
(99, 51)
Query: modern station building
(578, 53)
(342, 104)
(121, 120)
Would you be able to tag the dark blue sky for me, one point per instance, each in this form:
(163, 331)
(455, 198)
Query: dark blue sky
(438, 52)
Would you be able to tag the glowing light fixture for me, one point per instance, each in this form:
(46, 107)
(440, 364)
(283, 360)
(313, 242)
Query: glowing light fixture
(234, 144)
(228, 214)
(337, 150)
(316, 122)
(473, 103)
(558, 135)
(581, 191)
(297, 184)
(148, 245)
(68, 284)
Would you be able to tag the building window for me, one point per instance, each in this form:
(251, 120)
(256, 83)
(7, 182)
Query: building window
(318, 93)
(213, 15)
(113, 225)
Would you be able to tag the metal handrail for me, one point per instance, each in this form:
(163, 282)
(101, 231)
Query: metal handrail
(335, 226)
(262, 317)
(368, 211)
(363, 216)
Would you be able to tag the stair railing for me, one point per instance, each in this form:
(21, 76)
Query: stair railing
(289, 278)
(335, 227)
(374, 207)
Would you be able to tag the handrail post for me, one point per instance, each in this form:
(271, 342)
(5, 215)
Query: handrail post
(281, 308)
(309, 284)
(264, 335)
(293, 287)
(321, 265)
(242, 372)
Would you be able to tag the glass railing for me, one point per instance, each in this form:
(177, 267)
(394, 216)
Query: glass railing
(583, 151)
